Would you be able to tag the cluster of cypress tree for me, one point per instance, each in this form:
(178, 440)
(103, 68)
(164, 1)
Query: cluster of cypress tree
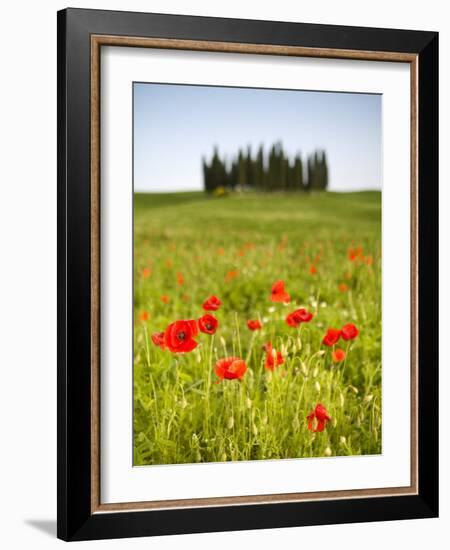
(273, 171)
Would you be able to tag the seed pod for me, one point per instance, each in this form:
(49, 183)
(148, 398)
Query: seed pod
(343, 440)
(328, 452)
(183, 403)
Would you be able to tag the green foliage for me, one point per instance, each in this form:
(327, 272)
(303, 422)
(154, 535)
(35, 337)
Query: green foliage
(236, 249)
(274, 173)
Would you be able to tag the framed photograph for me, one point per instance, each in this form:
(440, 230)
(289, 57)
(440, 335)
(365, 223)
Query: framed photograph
(247, 255)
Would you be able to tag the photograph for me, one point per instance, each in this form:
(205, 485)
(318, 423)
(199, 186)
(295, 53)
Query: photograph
(257, 274)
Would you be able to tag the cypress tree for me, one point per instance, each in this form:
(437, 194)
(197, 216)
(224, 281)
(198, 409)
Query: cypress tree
(242, 169)
(278, 172)
(298, 174)
(249, 168)
(324, 171)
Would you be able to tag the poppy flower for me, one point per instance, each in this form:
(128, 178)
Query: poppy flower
(279, 294)
(254, 324)
(144, 315)
(212, 303)
(221, 251)
(349, 332)
(355, 254)
(318, 418)
(313, 269)
(338, 355)
(230, 368)
(165, 299)
(208, 324)
(331, 337)
(273, 357)
(231, 275)
(179, 336)
(298, 316)
(342, 287)
(158, 339)
(146, 272)
(180, 278)
(369, 260)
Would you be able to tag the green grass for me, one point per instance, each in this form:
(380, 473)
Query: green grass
(181, 413)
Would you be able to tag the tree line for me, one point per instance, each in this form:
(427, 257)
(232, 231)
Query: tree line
(271, 171)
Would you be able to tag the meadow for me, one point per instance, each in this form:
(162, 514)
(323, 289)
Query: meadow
(290, 388)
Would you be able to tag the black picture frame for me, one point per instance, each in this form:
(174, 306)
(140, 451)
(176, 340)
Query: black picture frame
(75, 518)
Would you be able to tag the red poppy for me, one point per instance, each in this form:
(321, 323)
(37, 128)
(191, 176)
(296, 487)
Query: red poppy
(231, 275)
(331, 337)
(355, 254)
(212, 303)
(342, 287)
(144, 315)
(273, 358)
(158, 339)
(230, 368)
(318, 418)
(165, 299)
(279, 294)
(180, 278)
(179, 336)
(338, 355)
(298, 316)
(254, 324)
(349, 332)
(313, 269)
(146, 272)
(208, 324)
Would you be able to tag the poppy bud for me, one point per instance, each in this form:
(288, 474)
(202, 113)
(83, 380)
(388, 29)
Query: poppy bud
(328, 452)
(183, 403)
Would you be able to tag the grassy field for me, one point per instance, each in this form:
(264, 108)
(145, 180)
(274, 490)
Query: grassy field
(327, 250)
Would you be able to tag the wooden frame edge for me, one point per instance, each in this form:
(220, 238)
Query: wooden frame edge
(261, 49)
(95, 272)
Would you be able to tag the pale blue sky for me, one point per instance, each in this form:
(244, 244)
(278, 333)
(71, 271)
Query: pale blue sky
(175, 125)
